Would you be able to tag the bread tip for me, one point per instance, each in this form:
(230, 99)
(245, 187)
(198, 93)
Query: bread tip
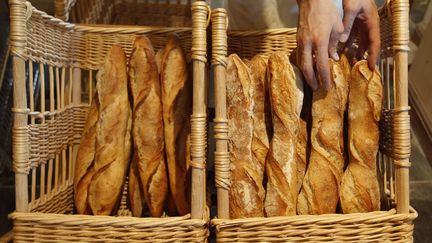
(142, 41)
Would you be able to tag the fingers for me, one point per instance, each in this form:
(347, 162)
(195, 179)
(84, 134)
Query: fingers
(373, 39)
(306, 64)
(322, 62)
(334, 41)
(348, 21)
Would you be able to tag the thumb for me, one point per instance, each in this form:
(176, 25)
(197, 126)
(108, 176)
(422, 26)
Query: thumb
(348, 21)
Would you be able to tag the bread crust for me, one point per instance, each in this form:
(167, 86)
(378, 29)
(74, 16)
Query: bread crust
(320, 189)
(177, 108)
(85, 160)
(113, 138)
(359, 188)
(247, 192)
(148, 126)
(286, 98)
(261, 115)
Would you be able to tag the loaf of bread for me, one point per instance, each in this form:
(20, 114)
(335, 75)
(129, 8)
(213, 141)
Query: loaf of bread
(135, 191)
(320, 190)
(261, 115)
(286, 98)
(177, 108)
(247, 191)
(302, 145)
(113, 137)
(359, 188)
(148, 126)
(300, 153)
(85, 160)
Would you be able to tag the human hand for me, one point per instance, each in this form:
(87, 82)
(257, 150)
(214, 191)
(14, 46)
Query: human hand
(319, 31)
(361, 17)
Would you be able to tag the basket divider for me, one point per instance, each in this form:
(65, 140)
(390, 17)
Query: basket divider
(200, 13)
(401, 130)
(76, 100)
(20, 120)
(50, 145)
(221, 157)
(32, 121)
(61, 103)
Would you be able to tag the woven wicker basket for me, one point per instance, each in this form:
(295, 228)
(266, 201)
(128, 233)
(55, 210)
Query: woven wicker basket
(167, 13)
(393, 225)
(46, 135)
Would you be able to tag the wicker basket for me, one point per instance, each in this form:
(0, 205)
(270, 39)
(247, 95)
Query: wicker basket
(167, 13)
(393, 225)
(46, 133)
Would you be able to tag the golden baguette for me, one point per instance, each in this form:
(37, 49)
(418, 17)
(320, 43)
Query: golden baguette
(359, 188)
(320, 190)
(148, 125)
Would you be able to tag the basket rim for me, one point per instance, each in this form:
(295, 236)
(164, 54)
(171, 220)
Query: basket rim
(376, 216)
(99, 220)
(127, 29)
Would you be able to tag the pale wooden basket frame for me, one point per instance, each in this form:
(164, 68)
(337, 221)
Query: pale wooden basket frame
(45, 139)
(394, 225)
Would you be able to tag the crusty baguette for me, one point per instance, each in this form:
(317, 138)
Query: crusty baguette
(320, 190)
(148, 126)
(113, 138)
(261, 115)
(346, 67)
(170, 207)
(85, 160)
(135, 192)
(247, 191)
(302, 145)
(176, 106)
(286, 99)
(359, 188)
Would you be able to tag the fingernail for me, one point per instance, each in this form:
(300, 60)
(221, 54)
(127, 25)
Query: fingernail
(335, 56)
(344, 37)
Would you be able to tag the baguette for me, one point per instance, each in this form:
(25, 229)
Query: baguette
(247, 191)
(261, 110)
(148, 125)
(170, 207)
(286, 96)
(302, 145)
(177, 105)
(320, 190)
(85, 160)
(135, 192)
(359, 188)
(113, 138)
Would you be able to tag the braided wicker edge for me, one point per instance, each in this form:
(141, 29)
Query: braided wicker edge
(373, 226)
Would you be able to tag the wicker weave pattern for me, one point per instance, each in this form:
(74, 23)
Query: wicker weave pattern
(50, 41)
(37, 227)
(43, 141)
(166, 13)
(384, 226)
(60, 202)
